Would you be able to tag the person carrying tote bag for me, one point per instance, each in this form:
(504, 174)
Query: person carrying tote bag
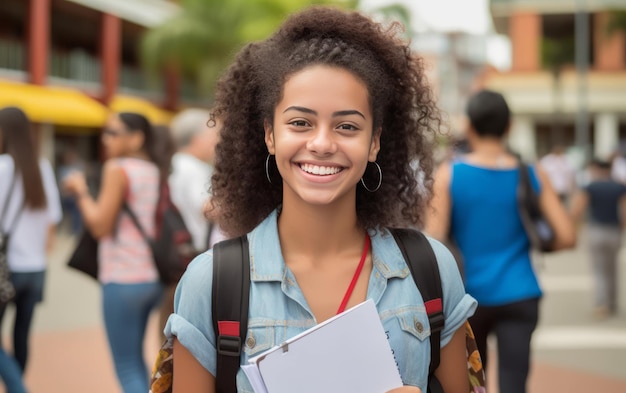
(131, 287)
(475, 199)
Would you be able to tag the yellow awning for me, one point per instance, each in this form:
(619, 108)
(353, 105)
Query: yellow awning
(52, 104)
(156, 115)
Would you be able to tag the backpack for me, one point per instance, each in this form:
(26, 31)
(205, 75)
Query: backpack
(172, 247)
(422, 262)
(231, 279)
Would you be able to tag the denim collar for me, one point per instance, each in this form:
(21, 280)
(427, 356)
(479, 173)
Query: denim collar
(265, 247)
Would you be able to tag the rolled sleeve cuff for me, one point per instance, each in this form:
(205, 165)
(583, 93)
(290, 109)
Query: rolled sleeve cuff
(192, 339)
(463, 310)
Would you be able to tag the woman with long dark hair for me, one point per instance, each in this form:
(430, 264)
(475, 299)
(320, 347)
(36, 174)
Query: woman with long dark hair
(130, 280)
(29, 199)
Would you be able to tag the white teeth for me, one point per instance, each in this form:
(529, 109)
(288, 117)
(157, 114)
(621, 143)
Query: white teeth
(320, 170)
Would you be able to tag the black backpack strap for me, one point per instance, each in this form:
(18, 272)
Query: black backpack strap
(422, 262)
(231, 291)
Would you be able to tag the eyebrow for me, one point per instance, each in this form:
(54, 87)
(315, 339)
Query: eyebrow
(335, 114)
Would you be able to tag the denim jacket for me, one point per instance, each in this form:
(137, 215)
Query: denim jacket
(278, 309)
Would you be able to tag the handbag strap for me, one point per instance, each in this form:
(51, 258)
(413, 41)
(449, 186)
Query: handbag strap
(6, 207)
(526, 194)
(135, 221)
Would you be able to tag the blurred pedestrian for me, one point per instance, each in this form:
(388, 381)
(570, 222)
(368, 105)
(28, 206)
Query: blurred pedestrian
(131, 288)
(618, 165)
(70, 162)
(475, 201)
(605, 201)
(195, 135)
(322, 123)
(29, 198)
(560, 171)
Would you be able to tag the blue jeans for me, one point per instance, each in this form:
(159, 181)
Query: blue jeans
(10, 373)
(28, 292)
(126, 311)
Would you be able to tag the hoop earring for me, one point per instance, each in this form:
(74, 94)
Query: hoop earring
(267, 168)
(380, 179)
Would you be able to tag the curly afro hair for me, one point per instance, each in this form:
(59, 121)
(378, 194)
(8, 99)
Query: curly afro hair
(401, 100)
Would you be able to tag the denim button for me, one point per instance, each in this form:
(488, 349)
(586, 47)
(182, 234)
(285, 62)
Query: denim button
(250, 342)
(418, 326)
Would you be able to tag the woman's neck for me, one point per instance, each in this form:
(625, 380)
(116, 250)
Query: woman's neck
(318, 231)
(139, 154)
(491, 153)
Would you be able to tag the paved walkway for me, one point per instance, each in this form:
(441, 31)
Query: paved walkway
(572, 352)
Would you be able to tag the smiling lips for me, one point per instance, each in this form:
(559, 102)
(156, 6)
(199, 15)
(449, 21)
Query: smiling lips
(320, 170)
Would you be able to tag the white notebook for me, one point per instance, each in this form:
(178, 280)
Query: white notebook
(346, 353)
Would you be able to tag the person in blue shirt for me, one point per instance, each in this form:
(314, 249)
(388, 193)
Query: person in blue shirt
(604, 199)
(475, 203)
(321, 125)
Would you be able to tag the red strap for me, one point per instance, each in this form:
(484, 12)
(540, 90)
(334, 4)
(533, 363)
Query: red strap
(355, 278)
(433, 306)
(228, 328)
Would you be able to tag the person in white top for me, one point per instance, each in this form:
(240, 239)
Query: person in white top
(195, 134)
(30, 210)
(618, 167)
(560, 171)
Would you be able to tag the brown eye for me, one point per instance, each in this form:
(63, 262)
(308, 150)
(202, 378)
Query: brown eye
(348, 127)
(299, 123)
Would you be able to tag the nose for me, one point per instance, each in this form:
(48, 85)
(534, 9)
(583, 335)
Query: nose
(322, 141)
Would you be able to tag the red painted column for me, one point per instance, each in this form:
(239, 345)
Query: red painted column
(111, 45)
(525, 33)
(172, 89)
(608, 48)
(38, 41)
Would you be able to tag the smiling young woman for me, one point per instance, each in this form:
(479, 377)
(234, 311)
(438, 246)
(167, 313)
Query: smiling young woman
(322, 124)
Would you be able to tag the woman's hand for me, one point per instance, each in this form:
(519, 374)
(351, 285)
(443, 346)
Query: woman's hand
(75, 183)
(406, 389)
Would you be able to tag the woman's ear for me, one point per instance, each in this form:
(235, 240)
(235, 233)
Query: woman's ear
(269, 137)
(375, 145)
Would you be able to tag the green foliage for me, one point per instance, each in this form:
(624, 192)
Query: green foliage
(555, 53)
(617, 21)
(201, 40)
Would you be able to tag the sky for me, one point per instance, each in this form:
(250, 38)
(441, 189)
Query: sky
(469, 16)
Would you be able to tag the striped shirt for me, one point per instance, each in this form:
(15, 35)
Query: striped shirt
(124, 255)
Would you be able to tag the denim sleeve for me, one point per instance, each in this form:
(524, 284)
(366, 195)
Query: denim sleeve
(191, 323)
(457, 305)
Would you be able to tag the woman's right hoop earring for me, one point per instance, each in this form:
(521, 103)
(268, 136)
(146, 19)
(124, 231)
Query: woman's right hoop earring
(267, 168)
(380, 179)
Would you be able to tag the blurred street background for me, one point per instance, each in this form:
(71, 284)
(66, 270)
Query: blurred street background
(561, 64)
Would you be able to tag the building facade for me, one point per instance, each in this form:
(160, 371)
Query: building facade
(67, 63)
(567, 83)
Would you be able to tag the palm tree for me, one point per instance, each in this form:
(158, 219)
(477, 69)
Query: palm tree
(617, 21)
(200, 41)
(555, 54)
